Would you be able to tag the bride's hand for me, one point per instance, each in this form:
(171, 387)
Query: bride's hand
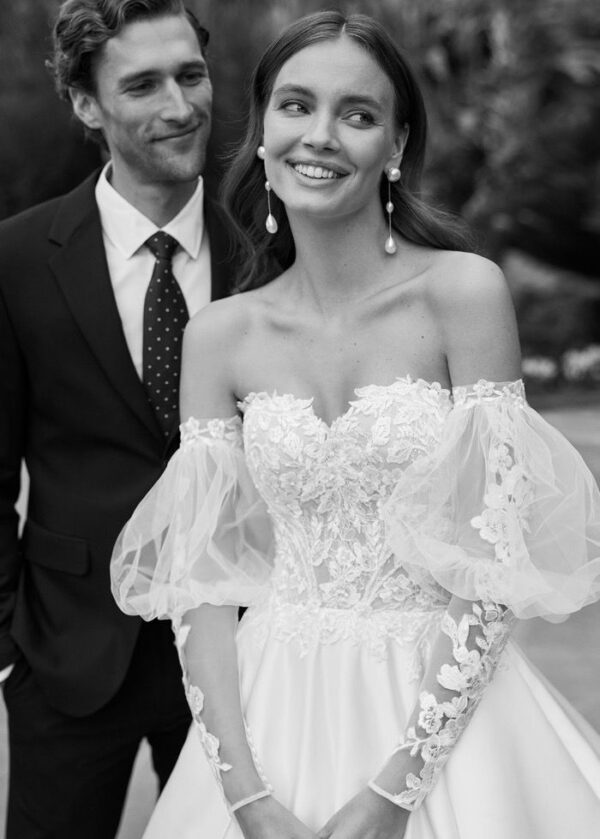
(366, 816)
(268, 819)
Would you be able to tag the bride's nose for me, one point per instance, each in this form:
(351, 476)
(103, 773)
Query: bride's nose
(321, 132)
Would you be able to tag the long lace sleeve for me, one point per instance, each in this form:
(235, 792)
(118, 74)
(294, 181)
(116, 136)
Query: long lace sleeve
(505, 516)
(202, 538)
(205, 640)
(462, 664)
(202, 534)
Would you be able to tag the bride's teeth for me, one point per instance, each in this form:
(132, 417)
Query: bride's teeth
(314, 171)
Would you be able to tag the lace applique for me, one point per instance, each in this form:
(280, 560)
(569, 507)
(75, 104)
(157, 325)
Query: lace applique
(308, 625)
(193, 430)
(210, 743)
(485, 391)
(195, 699)
(509, 489)
(478, 640)
(507, 495)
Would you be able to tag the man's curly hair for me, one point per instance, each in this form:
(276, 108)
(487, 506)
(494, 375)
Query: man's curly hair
(84, 26)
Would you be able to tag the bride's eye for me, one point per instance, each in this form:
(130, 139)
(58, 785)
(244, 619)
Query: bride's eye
(363, 118)
(292, 106)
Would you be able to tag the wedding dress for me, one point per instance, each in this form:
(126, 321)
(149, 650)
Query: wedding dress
(385, 559)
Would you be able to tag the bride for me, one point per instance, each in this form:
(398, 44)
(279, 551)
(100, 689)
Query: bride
(359, 466)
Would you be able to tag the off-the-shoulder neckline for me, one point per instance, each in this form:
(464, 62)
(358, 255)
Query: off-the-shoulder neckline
(482, 387)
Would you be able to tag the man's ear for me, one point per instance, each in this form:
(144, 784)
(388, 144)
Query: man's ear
(85, 108)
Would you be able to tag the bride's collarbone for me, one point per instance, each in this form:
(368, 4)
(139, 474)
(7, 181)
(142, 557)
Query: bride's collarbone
(289, 351)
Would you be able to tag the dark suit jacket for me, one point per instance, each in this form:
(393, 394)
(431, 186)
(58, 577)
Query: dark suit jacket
(72, 405)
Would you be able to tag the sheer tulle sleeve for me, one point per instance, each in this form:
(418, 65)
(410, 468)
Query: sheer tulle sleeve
(202, 534)
(504, 510)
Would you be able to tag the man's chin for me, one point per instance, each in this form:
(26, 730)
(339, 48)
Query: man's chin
(178, 171)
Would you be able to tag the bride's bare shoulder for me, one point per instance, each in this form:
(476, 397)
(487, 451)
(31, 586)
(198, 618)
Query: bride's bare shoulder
(473, 311)
(224, 323)
(458, 280)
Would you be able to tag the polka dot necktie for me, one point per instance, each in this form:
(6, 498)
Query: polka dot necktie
(165, 316)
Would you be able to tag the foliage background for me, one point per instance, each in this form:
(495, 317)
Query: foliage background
(512, 93)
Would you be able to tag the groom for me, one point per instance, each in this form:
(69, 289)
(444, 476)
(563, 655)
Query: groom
(95, 288)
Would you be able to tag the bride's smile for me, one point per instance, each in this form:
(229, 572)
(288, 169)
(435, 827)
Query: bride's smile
(330, 131)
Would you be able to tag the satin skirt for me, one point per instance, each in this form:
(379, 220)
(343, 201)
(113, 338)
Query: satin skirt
(324, 721)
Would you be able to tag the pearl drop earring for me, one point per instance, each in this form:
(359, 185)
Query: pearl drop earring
(393, 175)
(271, 222)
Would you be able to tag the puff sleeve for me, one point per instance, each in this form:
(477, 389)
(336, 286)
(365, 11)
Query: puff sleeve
(504, 510)
(202, 534)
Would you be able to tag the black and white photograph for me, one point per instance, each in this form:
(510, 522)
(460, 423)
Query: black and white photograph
(299, 419)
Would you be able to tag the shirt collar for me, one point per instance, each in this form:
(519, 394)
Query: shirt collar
(127, 228)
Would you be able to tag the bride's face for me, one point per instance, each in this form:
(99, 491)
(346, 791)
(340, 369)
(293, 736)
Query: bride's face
(329, 131)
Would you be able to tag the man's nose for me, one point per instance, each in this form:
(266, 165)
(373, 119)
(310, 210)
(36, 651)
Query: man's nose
(176, 105)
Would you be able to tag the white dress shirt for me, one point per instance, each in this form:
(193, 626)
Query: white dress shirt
(130, 263)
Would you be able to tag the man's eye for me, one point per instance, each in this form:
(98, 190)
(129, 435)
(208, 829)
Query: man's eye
(140, 88)
(193, 78)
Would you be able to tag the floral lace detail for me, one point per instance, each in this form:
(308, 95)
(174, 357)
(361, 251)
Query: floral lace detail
(309, 625)
(324, 486)
(485, 391)
(478, 640)
(509, 489)
(195, 699)
(194, 430)
(507, 496)
(210, 743)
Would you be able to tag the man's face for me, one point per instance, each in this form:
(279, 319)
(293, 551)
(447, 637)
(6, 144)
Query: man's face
(152, 102)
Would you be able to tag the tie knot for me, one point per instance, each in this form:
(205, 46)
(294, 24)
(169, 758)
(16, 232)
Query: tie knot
(162, 245)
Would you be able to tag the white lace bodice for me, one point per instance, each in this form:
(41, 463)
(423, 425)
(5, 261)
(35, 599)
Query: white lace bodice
(324, 487)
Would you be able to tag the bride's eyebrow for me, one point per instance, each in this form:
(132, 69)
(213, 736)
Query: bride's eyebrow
(346, 99)
(363, 100)
(297, 90)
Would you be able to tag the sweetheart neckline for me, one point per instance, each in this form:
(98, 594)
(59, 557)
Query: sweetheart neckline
(307, 403)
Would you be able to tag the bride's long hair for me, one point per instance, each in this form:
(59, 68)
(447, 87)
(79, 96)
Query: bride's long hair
(265, 256)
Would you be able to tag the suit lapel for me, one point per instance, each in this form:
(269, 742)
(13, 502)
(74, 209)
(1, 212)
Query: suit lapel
(82, 273)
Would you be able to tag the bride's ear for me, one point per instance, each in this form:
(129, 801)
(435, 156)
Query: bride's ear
(85, 108)
(399, 145)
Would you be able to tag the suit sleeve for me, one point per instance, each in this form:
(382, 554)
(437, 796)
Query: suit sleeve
(12, 441)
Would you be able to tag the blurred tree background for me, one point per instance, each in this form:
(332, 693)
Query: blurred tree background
(512, 93)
